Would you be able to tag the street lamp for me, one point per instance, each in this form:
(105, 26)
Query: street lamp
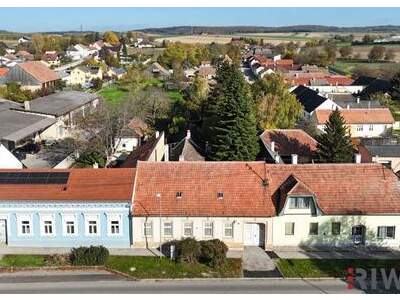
(158, 196)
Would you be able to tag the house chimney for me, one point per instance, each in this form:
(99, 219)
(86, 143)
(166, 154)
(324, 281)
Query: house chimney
(294, 159)
(358, 99)
(157, 134)
(27, 105)
(188, 134)
(273, 146)
(95, 165)
(357, 158)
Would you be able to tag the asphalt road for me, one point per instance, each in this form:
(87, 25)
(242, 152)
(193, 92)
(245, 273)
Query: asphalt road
(97, 282)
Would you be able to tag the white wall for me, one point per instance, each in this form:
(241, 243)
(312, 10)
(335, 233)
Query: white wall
(337, 88)
(139, 240)
(8, 160)
(302, 226)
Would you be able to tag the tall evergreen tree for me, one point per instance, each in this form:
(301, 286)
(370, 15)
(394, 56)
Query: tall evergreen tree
(230, 127)
(334, 145)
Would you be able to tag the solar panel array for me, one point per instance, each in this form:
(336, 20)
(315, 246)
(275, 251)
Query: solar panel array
(34, 177)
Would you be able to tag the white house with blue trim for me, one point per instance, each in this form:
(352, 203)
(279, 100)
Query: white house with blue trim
(66, 208)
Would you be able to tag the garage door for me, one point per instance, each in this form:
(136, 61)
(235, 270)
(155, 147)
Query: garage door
(252, 234)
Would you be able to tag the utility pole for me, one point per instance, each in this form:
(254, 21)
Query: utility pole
(158, 196)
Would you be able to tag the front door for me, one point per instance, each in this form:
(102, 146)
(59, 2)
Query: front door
(252, 234)
(3, 231)
(358, 234)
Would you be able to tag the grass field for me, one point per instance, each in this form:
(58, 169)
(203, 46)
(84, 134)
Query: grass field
(315, 268)
(113, 93)
(154, 267)
(347, 67)
(23, 261)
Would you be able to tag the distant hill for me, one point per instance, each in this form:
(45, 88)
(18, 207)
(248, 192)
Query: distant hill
(187, 30)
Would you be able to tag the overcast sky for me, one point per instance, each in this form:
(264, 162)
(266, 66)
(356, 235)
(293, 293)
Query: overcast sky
(62, 19)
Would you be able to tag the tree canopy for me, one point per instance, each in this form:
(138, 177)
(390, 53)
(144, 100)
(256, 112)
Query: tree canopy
(334, 144)
(230, 128)
(276, 106)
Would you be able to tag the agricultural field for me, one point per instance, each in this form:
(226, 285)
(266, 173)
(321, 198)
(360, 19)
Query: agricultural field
(348, 67)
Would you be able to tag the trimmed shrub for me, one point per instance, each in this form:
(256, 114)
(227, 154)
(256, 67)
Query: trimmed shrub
(188, 250)
(213, 252)
(89, 256)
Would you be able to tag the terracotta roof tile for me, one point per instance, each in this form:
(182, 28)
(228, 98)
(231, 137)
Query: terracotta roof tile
(359, 116)
(338, 188)
(39, 71)
(290, 141)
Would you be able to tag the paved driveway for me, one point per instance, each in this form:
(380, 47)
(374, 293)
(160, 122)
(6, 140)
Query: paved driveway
(257, 263)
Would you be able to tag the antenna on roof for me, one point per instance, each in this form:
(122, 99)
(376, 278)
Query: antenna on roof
(264, 181)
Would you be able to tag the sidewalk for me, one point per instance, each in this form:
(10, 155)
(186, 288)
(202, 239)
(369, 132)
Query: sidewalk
(113, 251)
(350, 253)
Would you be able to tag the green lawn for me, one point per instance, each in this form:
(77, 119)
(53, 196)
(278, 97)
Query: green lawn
(153, 82)
(153, 267)
(20, 261)
(329, 267)
(113, 93)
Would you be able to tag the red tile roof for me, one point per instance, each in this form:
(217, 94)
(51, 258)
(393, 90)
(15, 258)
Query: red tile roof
(290, 141)
(39, 71)
(199, 182)
(82, 185)
(358, 116)
(338, 188)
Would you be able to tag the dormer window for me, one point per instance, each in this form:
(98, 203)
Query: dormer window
(299, 202)
(179, 195)
(220, 195)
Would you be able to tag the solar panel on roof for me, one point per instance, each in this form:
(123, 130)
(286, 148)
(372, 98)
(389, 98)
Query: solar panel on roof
(34, 177)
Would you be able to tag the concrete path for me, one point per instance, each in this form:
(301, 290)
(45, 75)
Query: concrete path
(255, 259)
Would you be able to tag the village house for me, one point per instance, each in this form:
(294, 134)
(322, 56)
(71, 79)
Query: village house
(186, 150)
(374, 122)
(83, 75)
(288, 146)
(79, 51)
(34, 133)
(24, 39)
(65, 107)
(159, 71)
(116, 73)
(240, 203)
(267, 205)
(33, 75)
(312, 101)
(385, 151)
(66, 208)
(24, 55)
(51, 58)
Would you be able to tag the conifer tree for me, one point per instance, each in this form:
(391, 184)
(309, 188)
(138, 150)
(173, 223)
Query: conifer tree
(230, 127)
(334, 144)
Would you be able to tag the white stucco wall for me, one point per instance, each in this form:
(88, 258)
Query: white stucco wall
(302, 226)
(8, 160)
(139, 239)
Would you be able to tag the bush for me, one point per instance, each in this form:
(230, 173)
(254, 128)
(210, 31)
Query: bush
(213, 252)
(89, 256)
(188, 250)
